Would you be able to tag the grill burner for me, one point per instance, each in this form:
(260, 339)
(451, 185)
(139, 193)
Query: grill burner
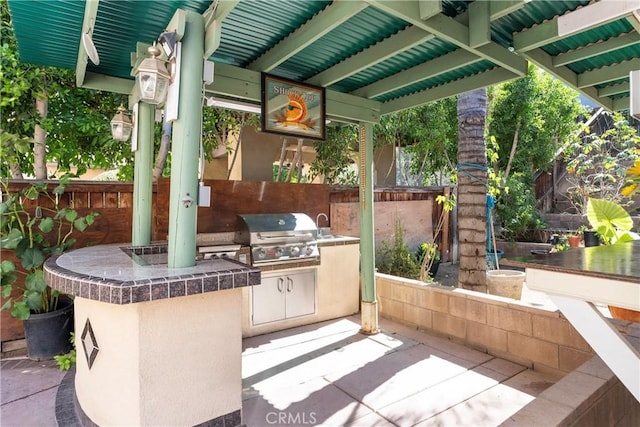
(278, 238)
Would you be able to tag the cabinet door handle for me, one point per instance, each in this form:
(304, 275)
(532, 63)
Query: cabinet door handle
(289, 284)
(280, 284)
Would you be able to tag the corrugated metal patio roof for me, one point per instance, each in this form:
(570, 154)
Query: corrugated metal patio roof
(396, 54)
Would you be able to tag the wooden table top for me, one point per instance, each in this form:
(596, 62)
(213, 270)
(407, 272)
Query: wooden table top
(618, 262)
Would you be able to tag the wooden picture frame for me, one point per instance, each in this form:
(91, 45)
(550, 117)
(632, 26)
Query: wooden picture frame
(293, 109)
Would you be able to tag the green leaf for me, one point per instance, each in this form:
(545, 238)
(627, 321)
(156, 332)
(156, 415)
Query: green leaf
(8, 303)
(46, 225)
(35, 282)
(20, 310)
(7, 266)
(31, 193)
(33, 300)
(71, 215)
(12, 239)
(608, 218)
(80, 224)
(90, 218)
(32, 258)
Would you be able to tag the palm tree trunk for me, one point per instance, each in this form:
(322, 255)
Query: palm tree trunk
(40, 140)
(472, 178)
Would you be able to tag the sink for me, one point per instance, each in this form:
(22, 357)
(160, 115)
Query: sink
(324, 233)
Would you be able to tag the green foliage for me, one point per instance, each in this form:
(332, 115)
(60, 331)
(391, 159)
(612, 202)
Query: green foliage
(515, 206)
(610, 220)
(220, 123)
(541, 110)
(66, 361)
(77, 121)
(429, 134)
(428, 253)
(396, 258)
(335, 156)
(284, 173)
(33, 238)
(598, 164)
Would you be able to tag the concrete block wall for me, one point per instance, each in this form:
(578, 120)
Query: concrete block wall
(589, 396)
(537, 338)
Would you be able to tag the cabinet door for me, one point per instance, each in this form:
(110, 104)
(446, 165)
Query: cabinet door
(268, 300)
(301, 293)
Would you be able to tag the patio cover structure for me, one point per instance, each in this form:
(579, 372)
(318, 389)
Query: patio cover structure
(374, 57)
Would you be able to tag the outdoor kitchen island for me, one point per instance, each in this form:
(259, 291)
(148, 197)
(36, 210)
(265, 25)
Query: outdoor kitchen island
(155, 345)
(330, 289)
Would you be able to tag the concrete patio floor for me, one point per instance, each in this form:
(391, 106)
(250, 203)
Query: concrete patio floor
(330, 374)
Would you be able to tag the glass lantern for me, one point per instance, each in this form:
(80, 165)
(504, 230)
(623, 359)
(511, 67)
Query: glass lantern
(153, 78)
(121, 125)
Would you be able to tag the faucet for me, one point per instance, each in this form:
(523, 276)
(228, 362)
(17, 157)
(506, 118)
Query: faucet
(326, 218)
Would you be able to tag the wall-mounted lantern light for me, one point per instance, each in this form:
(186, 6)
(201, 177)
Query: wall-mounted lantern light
(153, 78)
(121, 125)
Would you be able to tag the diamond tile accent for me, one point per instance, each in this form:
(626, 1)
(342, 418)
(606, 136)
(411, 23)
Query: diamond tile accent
(89, 343)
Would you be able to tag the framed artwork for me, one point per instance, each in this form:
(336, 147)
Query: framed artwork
(293, 109)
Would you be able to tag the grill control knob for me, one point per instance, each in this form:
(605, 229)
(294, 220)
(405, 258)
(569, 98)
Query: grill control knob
(309, 250)
(279, 252)
(261, 253)
(295, 251)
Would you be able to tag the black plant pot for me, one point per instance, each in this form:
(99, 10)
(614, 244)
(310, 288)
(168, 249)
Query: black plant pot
(48, 334)
(591, 238)
(433, 270)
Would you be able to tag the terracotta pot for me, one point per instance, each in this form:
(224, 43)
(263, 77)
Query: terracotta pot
(574, 241)
(624, 314)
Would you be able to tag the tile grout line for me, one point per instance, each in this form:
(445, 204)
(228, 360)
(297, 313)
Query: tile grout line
(30, 395)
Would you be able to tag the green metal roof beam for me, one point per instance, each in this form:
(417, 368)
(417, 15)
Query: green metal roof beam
(213, 17)
(634, 20)
(325, 21)
(479, 24)
(108, 83)
(621, 104)
(500, 8)
(88, 23)
(579, 20)
(429, 8)
(487, 78)
(454, 32)
(594, 50)
(543, 60)
(497, 9)
(399, 42)
(608, 73)
(614, 89)
(218, 11)
(435, 67)
(239, 83)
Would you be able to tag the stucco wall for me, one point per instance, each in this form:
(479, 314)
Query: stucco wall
(149, 351)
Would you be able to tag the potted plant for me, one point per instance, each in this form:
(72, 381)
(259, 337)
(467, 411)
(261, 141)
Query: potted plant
(428, 253)
(574, 239)
(28, 237)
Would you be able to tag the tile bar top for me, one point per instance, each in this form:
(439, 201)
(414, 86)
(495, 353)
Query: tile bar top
(120, 274)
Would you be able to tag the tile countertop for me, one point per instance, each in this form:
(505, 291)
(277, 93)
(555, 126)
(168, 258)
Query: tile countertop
(617, 262)
(121, 274)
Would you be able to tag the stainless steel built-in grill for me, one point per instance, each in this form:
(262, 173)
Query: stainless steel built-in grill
(278, 238)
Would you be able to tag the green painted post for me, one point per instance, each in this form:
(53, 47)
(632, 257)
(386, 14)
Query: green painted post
(142, 177)
(183, 203)
(369, 306)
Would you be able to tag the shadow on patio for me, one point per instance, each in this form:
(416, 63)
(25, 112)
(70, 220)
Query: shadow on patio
(330, 374)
